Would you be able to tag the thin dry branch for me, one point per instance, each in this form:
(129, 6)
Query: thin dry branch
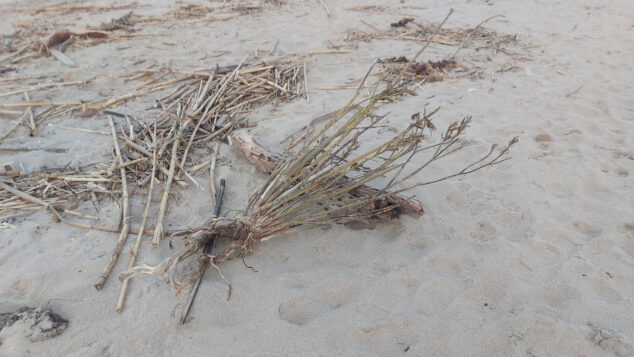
(137, 245)
(126, 214)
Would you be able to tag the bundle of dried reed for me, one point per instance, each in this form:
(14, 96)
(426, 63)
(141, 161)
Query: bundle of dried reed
(317, 185)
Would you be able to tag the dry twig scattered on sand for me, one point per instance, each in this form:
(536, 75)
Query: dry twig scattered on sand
(408, 29)
(36, 38)
(194, 108)
(229, 93)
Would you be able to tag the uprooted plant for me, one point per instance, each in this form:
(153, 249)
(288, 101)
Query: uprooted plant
(313, 186)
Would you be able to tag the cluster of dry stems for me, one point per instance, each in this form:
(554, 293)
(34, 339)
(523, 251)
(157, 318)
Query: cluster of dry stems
(324, 177)
(317, 184)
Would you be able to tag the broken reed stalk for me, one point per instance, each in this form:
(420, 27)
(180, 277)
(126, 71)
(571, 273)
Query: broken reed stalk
(429, 40)
(57, 217)
(158, 230)
(200, 96)
(259, 83)
(126, 213)
(137, 244)
(29, 113)
(212, 173)
(473, 32)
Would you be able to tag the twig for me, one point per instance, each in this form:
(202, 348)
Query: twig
(206, 250)
(198, 167)
(58, 218)
(471, 35)
(212, 173)
(137, 245)
(329, 52)
(158, 231)
(201, 96)
(126, 219)
(274, 46)
(325, 7)
(17, 123)
(38, 104)
(29, 113)
(306, 83)
(429, 40)
(82, 130)
(163, 170)
(574, 91)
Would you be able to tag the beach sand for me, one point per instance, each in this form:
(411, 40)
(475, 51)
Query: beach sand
(533, 257)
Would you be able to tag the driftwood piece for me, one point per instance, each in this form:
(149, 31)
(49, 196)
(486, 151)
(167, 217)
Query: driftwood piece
(267, 160)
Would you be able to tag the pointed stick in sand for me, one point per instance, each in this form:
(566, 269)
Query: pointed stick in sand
(126, 219)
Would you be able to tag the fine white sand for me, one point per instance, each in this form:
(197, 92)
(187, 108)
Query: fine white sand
(534, 257)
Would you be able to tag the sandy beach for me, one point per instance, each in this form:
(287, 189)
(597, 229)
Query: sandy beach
(531, 257)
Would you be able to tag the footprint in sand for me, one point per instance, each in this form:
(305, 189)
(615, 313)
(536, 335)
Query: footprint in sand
(485, 231)
(316, 301)
(611, 341)
(587, 229)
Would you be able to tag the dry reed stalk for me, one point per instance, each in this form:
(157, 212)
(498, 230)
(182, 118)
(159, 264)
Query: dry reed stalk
(126, 214)
(198, 167)
(259, 83)
(158, 230)
(38, 104)
(137, 244)
(471, 34)
(212, 174)
(305, 83)
(162, 169)
(29, 112)
(419, 32)
(197, 106)
(15, 125)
